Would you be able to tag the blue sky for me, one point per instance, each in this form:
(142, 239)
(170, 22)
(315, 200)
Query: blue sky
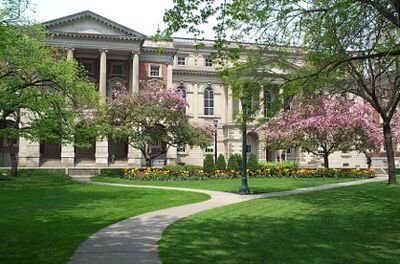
(140, 15)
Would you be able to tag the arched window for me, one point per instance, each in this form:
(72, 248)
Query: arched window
(208, 101)
(267, 103)
(182, 89)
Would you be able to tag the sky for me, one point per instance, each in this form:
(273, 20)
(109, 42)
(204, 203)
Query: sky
(143, 16)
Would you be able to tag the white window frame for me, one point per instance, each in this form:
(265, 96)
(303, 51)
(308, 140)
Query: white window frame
(178, 61)
(209, 110)
(209, 149)
(208, 61)
(181, 149)
(159, 70)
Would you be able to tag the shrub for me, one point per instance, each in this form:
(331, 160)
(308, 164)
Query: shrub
(111, 172)
(239, 161)
(252, 163)
(157, 174)
(233, 163)
(277, 165)
(221, 164)
(208, 163)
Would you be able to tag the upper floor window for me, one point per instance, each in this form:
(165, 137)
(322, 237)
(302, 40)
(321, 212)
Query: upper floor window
(117, 69)
(208, 62)
(181, 60)
(208, 101)
(267, 103)
(155, 70)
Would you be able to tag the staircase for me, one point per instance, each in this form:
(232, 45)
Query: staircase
(83, 171)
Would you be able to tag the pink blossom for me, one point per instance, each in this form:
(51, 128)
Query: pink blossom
(335, 122)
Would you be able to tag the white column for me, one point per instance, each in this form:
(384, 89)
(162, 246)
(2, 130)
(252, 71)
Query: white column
(230, 110)
(68, 150)
(103, 76)
(135, 73)
(70, 54)
(29, 153)
(172, 155)
(101, 152)
(135, 157)
(196, 102)
(169, 76)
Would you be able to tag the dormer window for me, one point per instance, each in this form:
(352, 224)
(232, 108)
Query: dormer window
(155, 70)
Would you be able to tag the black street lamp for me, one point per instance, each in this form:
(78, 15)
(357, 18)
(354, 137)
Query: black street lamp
(215, 141)
(244, 187)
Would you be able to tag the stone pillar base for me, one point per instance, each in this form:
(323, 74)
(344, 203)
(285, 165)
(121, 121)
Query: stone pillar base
(172, 156)
(102, 152)
(29, 153)
(68, 155)
(135, 157)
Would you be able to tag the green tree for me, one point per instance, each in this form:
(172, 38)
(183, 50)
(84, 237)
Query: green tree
(350, 46)
(42, 96)
(152, 120)
(221, 164)
(208, 163)
(252, 163)
(233, 162)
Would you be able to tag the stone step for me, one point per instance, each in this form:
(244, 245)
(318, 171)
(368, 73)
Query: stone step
(83, 171)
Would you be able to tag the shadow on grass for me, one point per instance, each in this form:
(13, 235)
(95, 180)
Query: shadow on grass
(45, 216)
(349, 225)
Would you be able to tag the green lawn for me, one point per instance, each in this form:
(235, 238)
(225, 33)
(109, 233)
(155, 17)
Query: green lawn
(45, 216)
(359, 224)
(260, 185)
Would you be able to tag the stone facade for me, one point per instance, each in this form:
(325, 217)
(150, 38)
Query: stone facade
(113, 53)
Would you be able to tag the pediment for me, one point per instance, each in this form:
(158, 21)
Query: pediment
(89, 23)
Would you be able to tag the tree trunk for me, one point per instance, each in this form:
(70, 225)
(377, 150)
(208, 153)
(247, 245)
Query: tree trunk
(387, 134)
(148, 162)
(13, 158)
(326, 161)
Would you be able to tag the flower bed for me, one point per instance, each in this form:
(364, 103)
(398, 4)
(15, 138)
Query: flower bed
(157, 174)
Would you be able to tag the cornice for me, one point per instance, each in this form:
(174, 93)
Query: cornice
(195, 72)
(92, 36)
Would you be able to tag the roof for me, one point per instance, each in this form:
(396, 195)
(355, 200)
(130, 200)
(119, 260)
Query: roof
(89, 14)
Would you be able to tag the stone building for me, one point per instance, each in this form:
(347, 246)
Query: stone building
(112, 54)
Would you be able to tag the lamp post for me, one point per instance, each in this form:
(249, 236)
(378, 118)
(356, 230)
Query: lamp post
(244, 187)
(215, 141)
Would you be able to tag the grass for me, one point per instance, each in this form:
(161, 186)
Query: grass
(357, 224)
(260, 185)
(45, 216)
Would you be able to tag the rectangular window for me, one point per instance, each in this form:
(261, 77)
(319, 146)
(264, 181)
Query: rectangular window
(181, 149)
(89, 67)
(208, 62)
(117, 69)
(209, 149)
(155, 70)
(248, 148)
(181, 61)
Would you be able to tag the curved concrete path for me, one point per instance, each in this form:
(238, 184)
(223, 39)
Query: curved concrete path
(135, 240)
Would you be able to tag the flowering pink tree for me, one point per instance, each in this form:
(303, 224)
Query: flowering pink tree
(150, 116)
(328, 125)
